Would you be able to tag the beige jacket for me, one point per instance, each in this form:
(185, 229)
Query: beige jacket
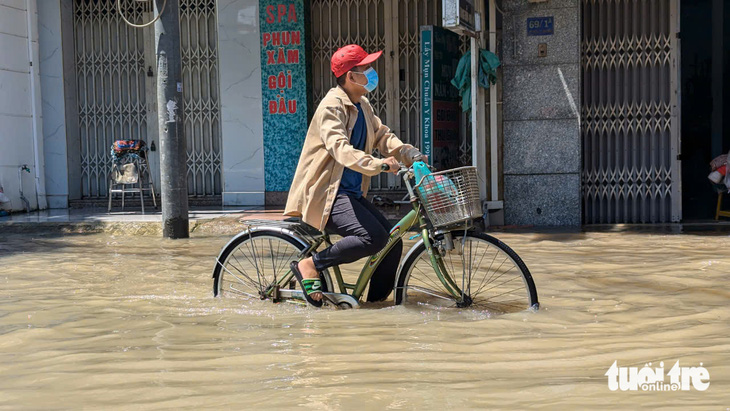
(327, 151)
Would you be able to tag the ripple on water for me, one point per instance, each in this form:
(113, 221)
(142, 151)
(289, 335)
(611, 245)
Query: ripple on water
(104, 321)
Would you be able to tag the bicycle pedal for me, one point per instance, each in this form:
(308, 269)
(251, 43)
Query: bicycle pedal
(327, 300)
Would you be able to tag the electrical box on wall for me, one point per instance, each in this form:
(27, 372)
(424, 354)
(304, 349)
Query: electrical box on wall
(459, 16)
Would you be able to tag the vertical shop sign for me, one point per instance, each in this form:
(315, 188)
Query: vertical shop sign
(283, 85)
(439, 99)
(426, 92)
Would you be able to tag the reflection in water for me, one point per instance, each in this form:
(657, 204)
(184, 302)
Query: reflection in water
(101, 321)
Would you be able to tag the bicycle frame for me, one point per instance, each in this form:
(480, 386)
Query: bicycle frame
(396, 233)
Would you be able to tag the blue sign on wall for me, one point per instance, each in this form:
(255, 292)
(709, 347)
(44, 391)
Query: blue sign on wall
(439, 99)
(426, 93)
(540, 26)
(284, 89)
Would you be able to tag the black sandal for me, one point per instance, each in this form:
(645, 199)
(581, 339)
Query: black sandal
(309, 285)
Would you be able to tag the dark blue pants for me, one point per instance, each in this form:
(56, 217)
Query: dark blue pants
(364, 232)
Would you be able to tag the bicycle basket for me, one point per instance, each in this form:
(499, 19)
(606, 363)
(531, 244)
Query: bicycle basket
(450, 197)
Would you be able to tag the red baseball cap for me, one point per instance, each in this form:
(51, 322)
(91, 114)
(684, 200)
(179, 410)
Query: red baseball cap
(350, 56)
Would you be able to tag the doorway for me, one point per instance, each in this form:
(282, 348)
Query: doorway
(628, 125)
(705, 67)
(117, 99)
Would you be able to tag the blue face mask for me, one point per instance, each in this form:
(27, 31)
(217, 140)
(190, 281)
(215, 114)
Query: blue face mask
(372, 77)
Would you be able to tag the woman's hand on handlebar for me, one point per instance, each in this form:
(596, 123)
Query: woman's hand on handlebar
(392, 164)
(419, 157)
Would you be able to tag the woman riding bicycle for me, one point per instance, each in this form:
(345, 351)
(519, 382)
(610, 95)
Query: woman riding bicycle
(333, 175)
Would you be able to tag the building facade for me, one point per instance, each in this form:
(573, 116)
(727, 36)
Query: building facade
(588, 125)
(22, 147)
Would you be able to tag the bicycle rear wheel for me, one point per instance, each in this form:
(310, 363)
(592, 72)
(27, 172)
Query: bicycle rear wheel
(253, 263)
(486, 275)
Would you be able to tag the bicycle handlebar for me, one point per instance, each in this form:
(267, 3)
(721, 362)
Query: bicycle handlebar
(406, 170)
(403, 168)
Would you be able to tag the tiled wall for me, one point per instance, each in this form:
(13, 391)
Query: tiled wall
(17, 100)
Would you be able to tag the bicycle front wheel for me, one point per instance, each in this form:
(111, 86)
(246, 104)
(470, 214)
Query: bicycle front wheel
(482, 273)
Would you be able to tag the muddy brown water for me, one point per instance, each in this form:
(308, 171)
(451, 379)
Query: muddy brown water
(123, 322)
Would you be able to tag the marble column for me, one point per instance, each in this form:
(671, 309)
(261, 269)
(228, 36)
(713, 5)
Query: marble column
(242, 122)
(53, 103)
(542, 143)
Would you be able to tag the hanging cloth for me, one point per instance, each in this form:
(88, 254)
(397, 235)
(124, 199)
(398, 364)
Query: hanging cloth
(488, 63)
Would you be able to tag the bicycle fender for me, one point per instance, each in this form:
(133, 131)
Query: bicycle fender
(278, 229)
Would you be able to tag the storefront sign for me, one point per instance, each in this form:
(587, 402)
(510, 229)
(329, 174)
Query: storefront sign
(439, 99)
(283, 85)
(426, 91)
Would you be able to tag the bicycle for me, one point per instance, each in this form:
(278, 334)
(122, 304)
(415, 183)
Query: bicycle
(442, 269)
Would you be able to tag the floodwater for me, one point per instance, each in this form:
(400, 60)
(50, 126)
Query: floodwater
(122, 322)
